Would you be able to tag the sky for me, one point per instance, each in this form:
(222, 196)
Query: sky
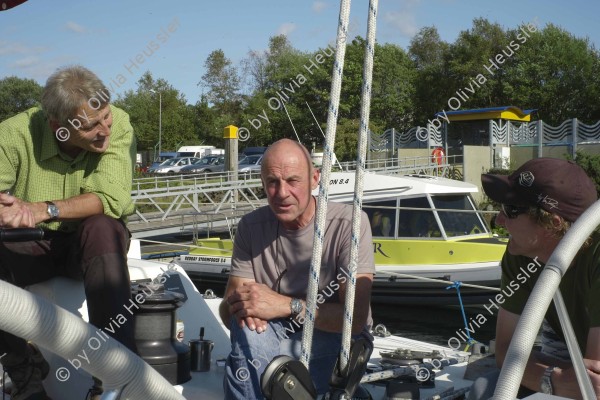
(110, 37)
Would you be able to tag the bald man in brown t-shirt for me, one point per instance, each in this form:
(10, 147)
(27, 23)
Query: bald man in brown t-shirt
(264, 303)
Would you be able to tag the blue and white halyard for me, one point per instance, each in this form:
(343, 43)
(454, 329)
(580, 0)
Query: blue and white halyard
(360, 172)
(315, 267)
(324, 186)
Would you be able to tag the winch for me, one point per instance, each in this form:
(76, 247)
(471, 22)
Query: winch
(155, 331)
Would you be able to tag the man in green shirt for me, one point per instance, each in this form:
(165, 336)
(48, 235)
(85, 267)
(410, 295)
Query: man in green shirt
(68, 167)
(540, 201)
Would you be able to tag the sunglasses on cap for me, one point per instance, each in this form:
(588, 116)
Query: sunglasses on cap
(513, 212)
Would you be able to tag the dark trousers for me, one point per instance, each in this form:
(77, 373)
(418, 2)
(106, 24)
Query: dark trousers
(96, 254)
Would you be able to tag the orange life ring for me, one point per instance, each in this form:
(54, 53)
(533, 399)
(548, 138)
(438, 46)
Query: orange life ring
(437, 155)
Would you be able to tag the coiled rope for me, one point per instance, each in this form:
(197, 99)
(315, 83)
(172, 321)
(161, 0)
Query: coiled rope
(320, 218)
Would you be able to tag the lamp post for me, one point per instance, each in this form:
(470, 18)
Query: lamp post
(159, 121)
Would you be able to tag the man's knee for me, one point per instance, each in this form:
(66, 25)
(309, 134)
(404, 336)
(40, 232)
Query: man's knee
(483, 387)
(107, 234)
(252, 345)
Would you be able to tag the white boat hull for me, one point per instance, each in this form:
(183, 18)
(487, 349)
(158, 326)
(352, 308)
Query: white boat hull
(393, 284)
(198, 312)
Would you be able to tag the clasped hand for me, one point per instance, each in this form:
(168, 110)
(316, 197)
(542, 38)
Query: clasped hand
(253, 304)
(15, 213)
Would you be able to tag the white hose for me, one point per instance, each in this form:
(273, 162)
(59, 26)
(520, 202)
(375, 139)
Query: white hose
(28, 316)
(537, 304)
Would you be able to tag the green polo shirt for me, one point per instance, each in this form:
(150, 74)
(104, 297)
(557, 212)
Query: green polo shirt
(34, 169)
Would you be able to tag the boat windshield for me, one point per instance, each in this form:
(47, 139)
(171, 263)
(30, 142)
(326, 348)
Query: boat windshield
(458, 223)
(414, 217)
(403, 218)
(414, 222)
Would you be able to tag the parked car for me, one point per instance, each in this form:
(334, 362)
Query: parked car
(205, 164)
(250, 151)
(250, 163)
(161, 159)
(173, 165)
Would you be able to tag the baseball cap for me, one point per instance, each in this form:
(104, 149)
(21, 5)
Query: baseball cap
(558, 186)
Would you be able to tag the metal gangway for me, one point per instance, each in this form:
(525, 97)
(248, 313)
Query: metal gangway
(175, 203)
(214, 202)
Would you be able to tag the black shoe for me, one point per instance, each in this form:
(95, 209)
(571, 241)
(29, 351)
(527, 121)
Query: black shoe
(27, 376)
(96, 390)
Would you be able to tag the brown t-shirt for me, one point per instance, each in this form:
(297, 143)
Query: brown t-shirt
(268, 253)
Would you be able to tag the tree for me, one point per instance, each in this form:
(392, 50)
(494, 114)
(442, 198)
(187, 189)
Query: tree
(277, 82)
(207, 122)
(283, 62)
(427, 50)
(223, 83)
(591, 165)
(17, 95)
(255, 70)
(393, 92)
(143, 108)
(470, 54)
(557, 74)
(545, 69)
(432, 89)
(346, 138)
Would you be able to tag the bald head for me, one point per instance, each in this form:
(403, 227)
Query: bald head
(288, 179)
(286, 148)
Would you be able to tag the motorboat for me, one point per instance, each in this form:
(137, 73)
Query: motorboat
(427, 236)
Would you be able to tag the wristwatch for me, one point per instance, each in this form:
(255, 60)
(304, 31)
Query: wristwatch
(546, 383)
(52, 210)
(297, 307)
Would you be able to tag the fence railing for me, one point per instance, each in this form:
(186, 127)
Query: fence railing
(572, 133)
(164, 203)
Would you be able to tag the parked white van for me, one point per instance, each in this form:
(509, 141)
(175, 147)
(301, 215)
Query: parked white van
(194, 151)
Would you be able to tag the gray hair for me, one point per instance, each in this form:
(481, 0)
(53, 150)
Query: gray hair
(68, 89)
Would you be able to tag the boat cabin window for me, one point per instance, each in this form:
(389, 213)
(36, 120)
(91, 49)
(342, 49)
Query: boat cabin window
(417, 223)
(457, 223)
(383, 221)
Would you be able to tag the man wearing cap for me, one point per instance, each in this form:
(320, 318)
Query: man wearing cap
(540, 201)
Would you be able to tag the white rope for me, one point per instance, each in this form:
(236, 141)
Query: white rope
(441, 281)
(358, 185)
(315, 266)
(288, 115)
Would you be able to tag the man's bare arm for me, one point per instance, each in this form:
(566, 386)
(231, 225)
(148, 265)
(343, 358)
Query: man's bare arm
(226, 307)
(16, 213)
(563, 378)
(250, 299)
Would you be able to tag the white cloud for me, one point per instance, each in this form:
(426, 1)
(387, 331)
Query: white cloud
(26, 62)
(39, 68)
(7, 48)
(75, 27)
(319, 6)
(403, 19)
(286, 28)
